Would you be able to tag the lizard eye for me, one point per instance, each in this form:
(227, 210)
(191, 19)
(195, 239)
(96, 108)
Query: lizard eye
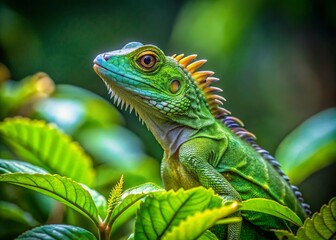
(147, 61)
(175, 86)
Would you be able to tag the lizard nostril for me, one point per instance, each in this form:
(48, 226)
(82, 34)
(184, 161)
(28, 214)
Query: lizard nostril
(106, 56)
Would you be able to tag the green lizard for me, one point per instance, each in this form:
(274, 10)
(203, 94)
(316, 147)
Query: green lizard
(203, 144)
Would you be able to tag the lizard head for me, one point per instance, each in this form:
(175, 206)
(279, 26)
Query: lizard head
(155, 85)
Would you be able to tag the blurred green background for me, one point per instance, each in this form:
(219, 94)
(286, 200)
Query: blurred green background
(276, 59)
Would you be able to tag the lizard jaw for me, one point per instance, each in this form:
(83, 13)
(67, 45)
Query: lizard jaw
(116, 92)
(117, 100)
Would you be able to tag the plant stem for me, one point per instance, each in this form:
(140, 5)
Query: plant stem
(107, 232)
(104, 232)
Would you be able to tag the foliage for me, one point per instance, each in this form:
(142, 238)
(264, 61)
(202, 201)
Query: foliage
(73, 194)
(52, 163)
(309, 147)
(321, 225)
(12, 211)
(32, 141)
(50, 153)
(272, 208)
(257, 51)
(57, 232)
(162, 214)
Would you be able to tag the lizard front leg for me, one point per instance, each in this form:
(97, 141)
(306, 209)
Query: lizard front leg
(198, 157)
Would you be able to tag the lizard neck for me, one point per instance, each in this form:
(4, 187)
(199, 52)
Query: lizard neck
(171, 135)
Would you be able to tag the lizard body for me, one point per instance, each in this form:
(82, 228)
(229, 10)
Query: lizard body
(203, 144)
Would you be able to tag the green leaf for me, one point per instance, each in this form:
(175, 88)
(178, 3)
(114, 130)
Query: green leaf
(322, 225)
(44, 145)
(99, 200)
(283, 234)
(141, 189)
(59, 188)
(208, 235)
(200, 222)
(159, 213)
(131, 196)
(11, 166)
(57, 232)
(309, 147)
(270, 207)
(13, 212)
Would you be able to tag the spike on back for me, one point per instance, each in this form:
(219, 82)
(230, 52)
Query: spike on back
(186, 60)
(204, 80)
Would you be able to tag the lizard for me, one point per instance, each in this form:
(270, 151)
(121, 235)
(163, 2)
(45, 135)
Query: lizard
(203, 143)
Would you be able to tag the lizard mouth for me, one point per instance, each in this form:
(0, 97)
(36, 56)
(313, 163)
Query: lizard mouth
(124, 80)
(114, 91)
(118, 92)
(126, 92)
(117, 81)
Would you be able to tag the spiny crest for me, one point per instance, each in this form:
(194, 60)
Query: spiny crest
(204, 80)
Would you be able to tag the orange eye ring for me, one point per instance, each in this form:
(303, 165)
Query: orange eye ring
(147, 61)
(175, 86)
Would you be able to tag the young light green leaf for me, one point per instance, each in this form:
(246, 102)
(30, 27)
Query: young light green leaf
(12, 166)
(322, 225)
(158, 214)
(13, 212)
(200, 222)
(131, 196)
(271, 207)
(57, 232)
(44, 145)
(59, 188)
(309, 147)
